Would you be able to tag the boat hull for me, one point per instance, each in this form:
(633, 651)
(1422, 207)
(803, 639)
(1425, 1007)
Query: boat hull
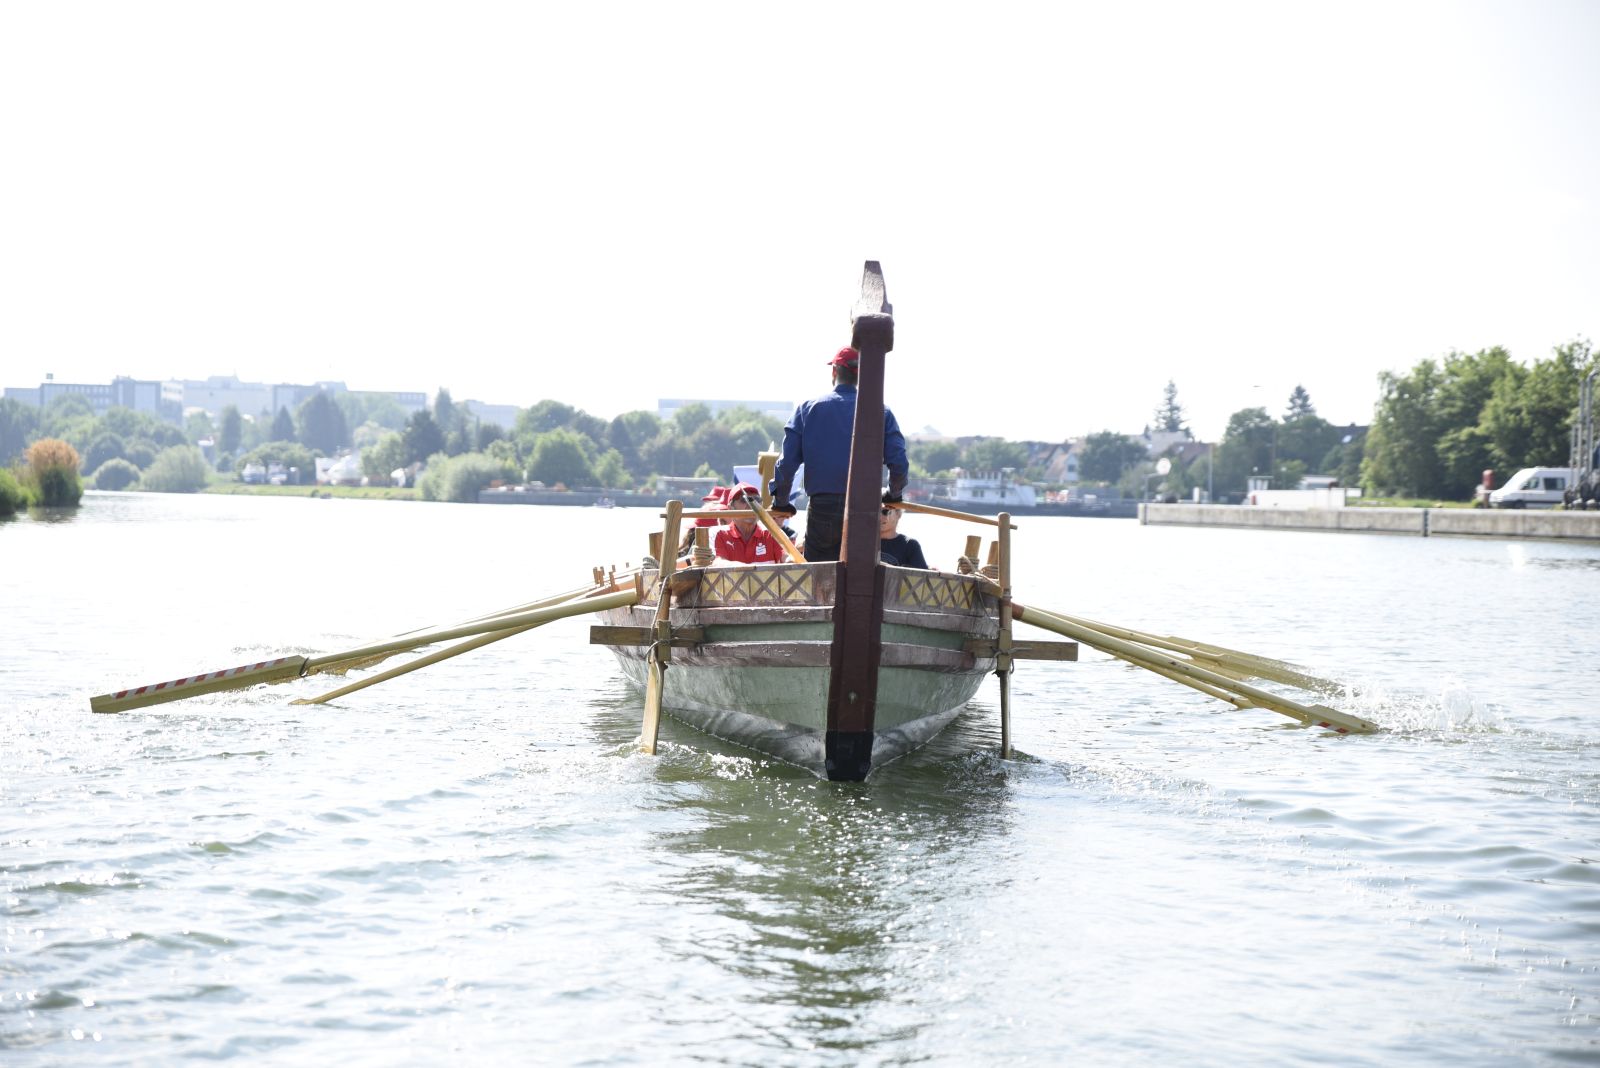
(760, 675)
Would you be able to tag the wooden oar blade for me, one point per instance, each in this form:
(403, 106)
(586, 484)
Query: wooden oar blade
(284, 667)
(1343, 722)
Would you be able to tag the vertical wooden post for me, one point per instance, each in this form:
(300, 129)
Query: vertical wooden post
(857, 645)
(1002, 659)
(767, 467)
(660, 649)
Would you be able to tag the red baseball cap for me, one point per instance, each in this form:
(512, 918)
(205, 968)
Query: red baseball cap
(718, 498)
(742, 490)
(845, 357)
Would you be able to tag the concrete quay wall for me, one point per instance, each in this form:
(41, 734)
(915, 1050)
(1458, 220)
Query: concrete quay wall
(1417, 522)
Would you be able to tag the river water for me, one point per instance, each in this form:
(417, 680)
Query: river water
(471, 864)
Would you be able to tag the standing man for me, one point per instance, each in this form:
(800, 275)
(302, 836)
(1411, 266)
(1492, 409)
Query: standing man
(818, 435)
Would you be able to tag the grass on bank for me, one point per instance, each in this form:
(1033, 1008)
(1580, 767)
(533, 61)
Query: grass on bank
(1404, 502)
(375, 493)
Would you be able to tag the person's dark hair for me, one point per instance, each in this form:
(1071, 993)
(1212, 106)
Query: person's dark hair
(844, 376)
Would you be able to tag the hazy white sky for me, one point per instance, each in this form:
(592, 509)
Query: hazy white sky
(610, 203)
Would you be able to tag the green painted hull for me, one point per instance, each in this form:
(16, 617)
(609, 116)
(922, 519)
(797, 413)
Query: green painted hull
(760, 675)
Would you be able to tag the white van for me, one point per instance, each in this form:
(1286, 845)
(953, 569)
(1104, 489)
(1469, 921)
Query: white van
(1533, 487)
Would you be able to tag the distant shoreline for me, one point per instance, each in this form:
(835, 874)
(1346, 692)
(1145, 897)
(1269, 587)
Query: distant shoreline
(373, 493)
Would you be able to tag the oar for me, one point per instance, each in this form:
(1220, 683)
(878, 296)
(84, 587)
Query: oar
(948, 513)
(295, 666)
(1224, 661)
(1227, 661)
(340, 667)
(433, 658)
(324, 665)
(1189, 673)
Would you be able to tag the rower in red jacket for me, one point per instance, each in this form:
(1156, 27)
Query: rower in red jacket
(742, 541)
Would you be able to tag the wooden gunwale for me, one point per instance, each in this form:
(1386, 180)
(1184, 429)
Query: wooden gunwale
(814, 653)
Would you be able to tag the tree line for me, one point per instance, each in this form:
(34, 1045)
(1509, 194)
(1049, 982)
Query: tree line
(1440, 425)
(1435, 428)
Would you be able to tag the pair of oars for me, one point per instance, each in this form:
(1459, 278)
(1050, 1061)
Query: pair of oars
(1212, 669)
(483, 630)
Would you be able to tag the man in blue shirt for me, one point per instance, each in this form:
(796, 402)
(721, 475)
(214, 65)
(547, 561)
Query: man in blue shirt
(818, 435)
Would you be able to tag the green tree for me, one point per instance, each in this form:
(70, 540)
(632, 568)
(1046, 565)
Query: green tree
(282, 426)
(422, 438)
(197, 427)
(1343, 461)
(13, 495)
(691, 417)
(1246, 449)
(1169, 415)
(996, 454)
(712, 444)
(642, 426)
(231, 433)
(1402, 447)
(610, 472)
(129, 425)
(1465, 447)
(459, 478)
(1303, 437)
(543, 417)
(934, 457)
(180, 469)
(629, 433)
(64, 411)
(454, 422)
(105, 446)
(140, 452)
(69, 417)
(446, 413)
(18, 424)
(486, 434)
(383, 458)
(320, 424)
(115, 474)
(1528, 418)
(561, 456)
(1106, 454)
(667, 453)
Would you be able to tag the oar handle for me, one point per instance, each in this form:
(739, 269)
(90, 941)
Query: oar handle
(948, 513)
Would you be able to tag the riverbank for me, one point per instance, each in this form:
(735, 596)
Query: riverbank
(1417, 522)
(375, 493)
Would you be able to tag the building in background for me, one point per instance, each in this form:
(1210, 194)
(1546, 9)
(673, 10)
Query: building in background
(121, 392)
(502, 415)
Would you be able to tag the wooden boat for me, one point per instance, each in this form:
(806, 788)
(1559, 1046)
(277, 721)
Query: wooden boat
(837, 667)
(758, 653)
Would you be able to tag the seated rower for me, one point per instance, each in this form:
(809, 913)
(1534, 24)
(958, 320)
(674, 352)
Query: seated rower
(895, 548)
(743, 540)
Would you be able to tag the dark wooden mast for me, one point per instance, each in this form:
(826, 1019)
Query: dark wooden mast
(858, 603)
